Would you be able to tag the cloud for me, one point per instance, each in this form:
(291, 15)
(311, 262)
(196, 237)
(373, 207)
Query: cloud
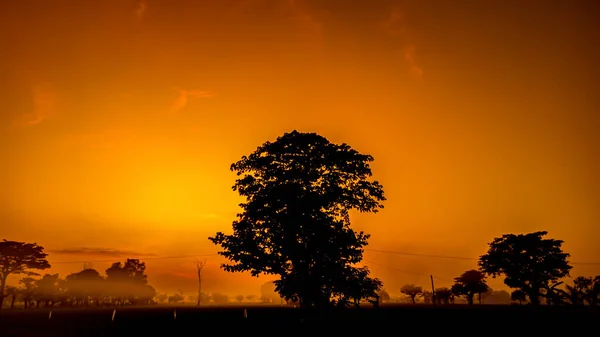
(109, 252)
(395, 26)
(409, 57)
(294, 17)
(141, 8)
(44, 105)
(187, 95)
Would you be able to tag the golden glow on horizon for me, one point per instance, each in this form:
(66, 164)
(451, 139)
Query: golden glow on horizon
(119, 121)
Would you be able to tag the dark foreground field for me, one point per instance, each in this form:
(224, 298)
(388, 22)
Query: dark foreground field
(390, 319)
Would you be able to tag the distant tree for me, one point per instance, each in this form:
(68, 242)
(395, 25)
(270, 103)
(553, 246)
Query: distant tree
(218, 298)
(518, 296)
(268, 293)
(250, 297)
(176, 298)
(85, 285)
(162, 298)
(427, 297)
(572, 295)
(594, 296)
(469, 284)
(411, 291)
(128, 281)
(443, 295)
(240, 298)
(383, 295)
(498, 297)
(205, 298)
(17, 258)
(528, 262)
(295, 221)
(27, 290)
(356, 286)
(13, 292)
(47, 289)
(489, 292)
(584, 289)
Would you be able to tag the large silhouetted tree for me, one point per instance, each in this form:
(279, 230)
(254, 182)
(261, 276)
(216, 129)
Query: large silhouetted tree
(17, 258)
(469, 284)
(295, 221)
(528, 261)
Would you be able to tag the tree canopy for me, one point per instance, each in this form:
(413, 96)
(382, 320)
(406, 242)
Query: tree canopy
(529, 262)
(295, 221)
(469, 284)
(411, 291)
(16, 258)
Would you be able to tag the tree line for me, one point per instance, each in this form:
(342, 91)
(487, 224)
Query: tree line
(122, 283)
(299, 193)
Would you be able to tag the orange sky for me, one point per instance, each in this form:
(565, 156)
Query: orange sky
(119, 120)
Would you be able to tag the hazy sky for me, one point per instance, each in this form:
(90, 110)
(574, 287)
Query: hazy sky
(120, 118)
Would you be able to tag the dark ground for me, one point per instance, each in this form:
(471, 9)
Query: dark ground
(389, 319)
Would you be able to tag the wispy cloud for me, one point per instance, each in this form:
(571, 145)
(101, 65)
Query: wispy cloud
(185, 96)
(410, 58)
(44, 105)
(395, 26)
(95, 251)
(141, 8)
(295, 14)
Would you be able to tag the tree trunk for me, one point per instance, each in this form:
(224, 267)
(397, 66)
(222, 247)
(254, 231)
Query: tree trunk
(534, 298)
(413, 299)
(470, 299)
(2, 286)
(12, 302)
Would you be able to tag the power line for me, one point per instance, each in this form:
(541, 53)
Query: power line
(455, 257)
(368, 249)
(401, 270)
(145, 259)
(422, 255)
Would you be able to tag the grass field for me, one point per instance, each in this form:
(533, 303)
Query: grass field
(388, 319)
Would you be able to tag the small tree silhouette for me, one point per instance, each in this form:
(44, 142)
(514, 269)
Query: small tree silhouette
(469, 284)
(584, 289)
(444, 295)
(411, 291)
(240, 298)
(427, 297)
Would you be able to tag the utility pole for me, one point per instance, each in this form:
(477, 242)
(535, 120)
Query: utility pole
(432, 291)
(199, 266)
